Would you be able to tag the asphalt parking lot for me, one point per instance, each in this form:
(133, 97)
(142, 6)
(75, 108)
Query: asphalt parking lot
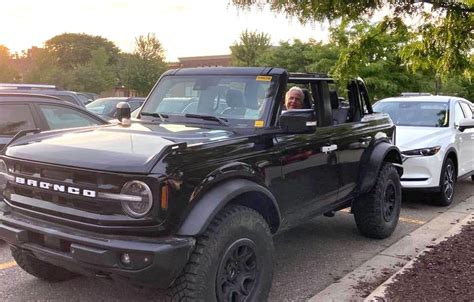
(308, 259)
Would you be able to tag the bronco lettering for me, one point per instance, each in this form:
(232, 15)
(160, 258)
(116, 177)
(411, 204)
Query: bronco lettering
(54, 187)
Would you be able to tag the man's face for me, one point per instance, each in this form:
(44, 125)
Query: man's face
(294, 100)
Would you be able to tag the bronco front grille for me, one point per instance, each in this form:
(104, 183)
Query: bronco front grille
(81, 208)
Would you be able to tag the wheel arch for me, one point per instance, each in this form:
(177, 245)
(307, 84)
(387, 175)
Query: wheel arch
(233, 191)
(452, 154)
(382, 152)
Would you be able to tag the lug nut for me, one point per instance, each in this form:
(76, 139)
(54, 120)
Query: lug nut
(125, 258)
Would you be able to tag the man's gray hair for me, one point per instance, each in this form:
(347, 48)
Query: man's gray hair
(295, 88)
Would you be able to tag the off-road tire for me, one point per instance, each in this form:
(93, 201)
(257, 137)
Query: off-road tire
(233, 226)
(376, 213)
(41, 269)
(447, 182)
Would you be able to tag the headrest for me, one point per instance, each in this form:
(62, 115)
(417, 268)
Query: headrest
(234, 98)
(334, 99)
(307, 99)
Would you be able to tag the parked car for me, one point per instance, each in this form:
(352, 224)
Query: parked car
(106, 107)
(65, 95)
(435, 137)
(189, 197)
(25, 111)
(23, 87)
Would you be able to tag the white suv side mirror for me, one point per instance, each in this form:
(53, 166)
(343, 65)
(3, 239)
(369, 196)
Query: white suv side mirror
(465, 123)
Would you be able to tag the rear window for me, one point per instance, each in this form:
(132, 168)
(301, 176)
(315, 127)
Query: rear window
(14, 118)
(59, 117)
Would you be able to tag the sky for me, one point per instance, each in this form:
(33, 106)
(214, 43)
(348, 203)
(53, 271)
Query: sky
(184, 27)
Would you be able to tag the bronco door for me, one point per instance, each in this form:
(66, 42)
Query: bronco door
(309, 179)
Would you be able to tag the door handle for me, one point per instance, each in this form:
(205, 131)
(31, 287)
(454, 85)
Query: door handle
(327, 149)
(365, 139)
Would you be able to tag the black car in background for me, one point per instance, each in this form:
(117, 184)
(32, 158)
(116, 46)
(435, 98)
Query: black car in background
(76, 98)
(25, 111)
(106, 107)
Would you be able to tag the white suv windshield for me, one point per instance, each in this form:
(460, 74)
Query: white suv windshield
(423, 114)
(236, 99)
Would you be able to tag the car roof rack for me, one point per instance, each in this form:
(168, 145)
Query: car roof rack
(27, 86)
(415, 94)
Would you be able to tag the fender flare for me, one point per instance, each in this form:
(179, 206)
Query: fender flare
(383, 151)
(227, 192)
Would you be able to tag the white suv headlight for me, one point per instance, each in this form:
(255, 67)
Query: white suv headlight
(422, 152)
(137, 199)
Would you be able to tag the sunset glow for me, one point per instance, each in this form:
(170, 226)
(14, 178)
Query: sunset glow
(184, 27)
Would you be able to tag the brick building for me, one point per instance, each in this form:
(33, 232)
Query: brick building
(202, 61)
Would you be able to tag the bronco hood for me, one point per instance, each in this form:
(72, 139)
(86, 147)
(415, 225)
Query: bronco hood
(111, 148)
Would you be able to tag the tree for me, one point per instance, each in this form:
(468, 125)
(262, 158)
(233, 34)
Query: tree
(299, 56)
(7, 73)
(250, 48)
(71, 50)
(446, 38)
(144, 66)
(96, 75)
(45, 70)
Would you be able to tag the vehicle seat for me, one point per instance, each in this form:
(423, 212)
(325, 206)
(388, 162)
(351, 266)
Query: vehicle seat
(307, 100)
(235, 100)
(339, 113)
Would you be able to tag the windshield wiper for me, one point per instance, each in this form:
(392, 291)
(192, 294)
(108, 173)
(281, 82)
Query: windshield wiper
(162, 116)
(220, 120)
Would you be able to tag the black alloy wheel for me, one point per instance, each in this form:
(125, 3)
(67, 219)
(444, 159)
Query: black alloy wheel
(389, 201)
(238, 272)
(376, 212)
(448, 181)
(447, 184)
(232, 261)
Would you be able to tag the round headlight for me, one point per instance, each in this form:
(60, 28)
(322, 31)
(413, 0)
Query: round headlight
(137, 198)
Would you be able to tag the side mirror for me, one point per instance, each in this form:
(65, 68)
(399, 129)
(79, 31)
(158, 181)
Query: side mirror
(297, 121)
(465, 123)
(123, 111)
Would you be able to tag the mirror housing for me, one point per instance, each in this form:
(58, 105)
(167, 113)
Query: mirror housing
(466, 123)
(297, 120)
(123, 111)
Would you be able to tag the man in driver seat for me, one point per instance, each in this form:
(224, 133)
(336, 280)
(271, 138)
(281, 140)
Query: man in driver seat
(294, 98)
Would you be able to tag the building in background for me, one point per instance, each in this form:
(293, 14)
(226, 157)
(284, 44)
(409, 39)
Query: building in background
(202, 61)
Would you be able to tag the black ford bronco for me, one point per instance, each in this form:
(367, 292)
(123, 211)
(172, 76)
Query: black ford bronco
(187, 197)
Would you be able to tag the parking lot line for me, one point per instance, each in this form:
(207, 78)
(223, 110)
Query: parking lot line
(404, 219)
(7, 265)
(411, 220)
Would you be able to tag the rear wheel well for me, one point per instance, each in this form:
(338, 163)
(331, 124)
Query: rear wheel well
(262, 204)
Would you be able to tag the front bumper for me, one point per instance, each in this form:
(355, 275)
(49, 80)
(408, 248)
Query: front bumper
(153, 261)
(422, 172)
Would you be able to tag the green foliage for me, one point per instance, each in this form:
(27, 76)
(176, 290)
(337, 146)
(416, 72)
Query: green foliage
(7, 73)
(142, 69)
(301, 56)
(96, 75)
(250, 48)
(71, 50)
(45, 70)
(444, 43)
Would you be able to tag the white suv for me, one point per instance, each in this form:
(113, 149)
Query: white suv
(436, 137)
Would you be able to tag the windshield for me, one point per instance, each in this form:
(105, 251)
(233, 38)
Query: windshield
(423, 114)
(237, 99)
(103, 106)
